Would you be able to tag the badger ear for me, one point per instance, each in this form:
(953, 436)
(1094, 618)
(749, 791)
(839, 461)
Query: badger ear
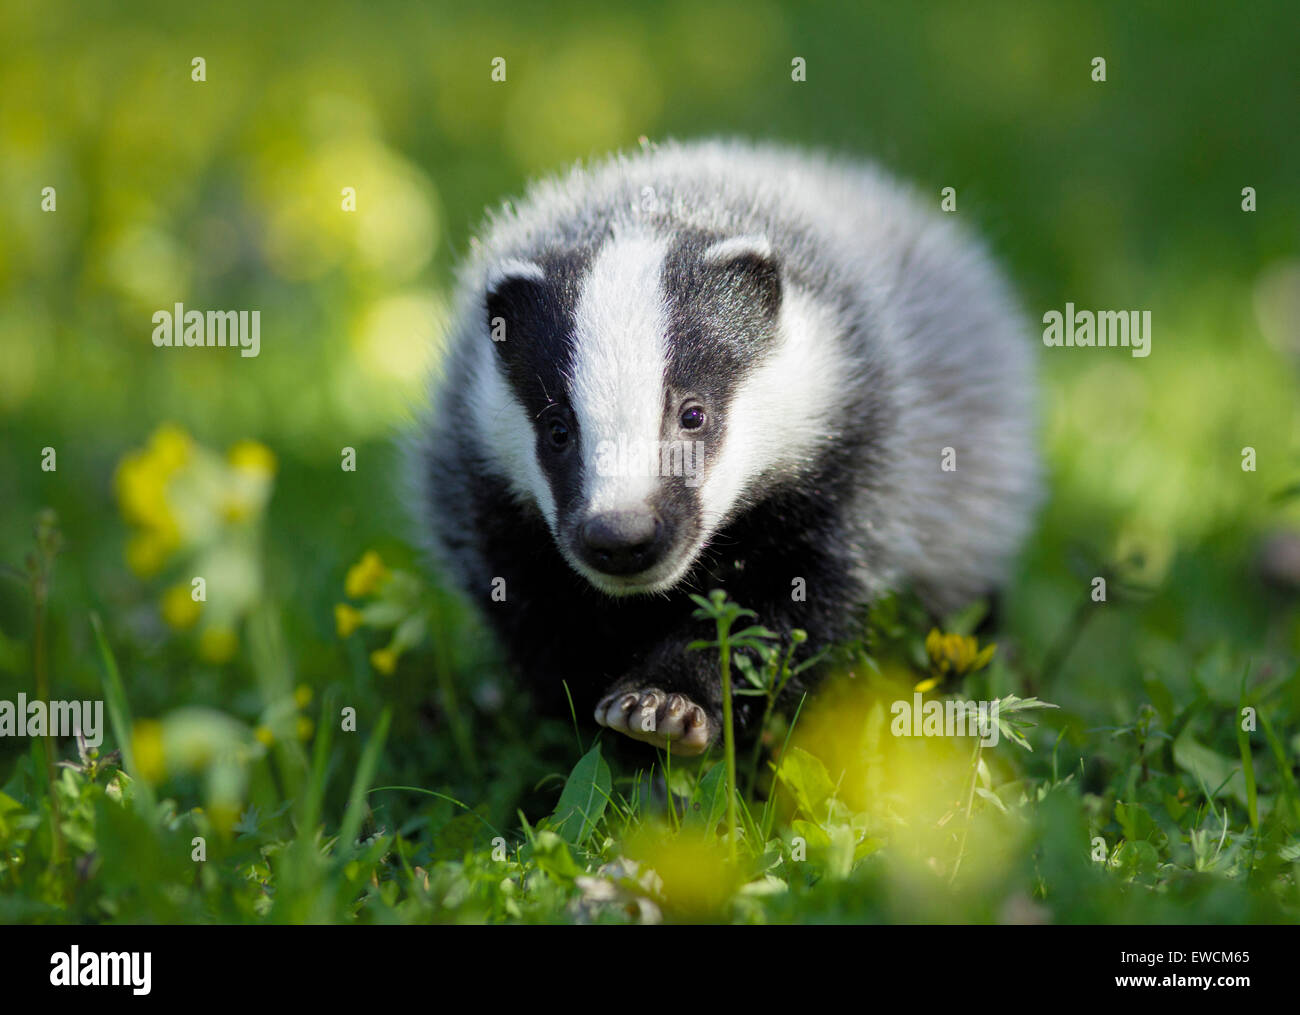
(513, 293)
(513, 268)
(752, 270)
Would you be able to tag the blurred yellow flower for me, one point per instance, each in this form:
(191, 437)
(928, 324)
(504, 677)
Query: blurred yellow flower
(179, 609)
(141, 490)
(252, 457)
(697, 880)
(170, 447)
(253, 467)
(264, 736)
(384, 660)
(346, 618)
(217, 644)
(305, 728)
(957, 654)
(140, 481)
(302, 696)
(147, 748)
(365, 575)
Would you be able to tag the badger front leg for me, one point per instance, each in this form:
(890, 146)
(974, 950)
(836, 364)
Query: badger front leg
(673, 697)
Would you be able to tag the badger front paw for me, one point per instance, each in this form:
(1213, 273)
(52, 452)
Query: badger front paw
(659, 718)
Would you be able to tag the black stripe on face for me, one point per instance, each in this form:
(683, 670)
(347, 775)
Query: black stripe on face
(722, 317)
(534, 318)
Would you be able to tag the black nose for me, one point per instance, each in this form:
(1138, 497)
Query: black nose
(622, 542)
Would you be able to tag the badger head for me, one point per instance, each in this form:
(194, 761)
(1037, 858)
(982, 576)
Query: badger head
(639, 394)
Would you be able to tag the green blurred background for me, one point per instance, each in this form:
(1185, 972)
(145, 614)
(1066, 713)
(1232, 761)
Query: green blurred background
(226, 194)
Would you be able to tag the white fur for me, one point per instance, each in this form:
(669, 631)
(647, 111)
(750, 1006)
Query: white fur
(735, 246)
(512, 267)
(782, 410)
(506, 432)
(620, 358)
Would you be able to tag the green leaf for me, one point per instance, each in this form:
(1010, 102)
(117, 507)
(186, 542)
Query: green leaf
(582, 803)
(361, 780)
(8, 807)
(1210, 767)
(1135, 821)
(811, 833)
(991, 797)
(756, 631)
(1247, 762)
(806, 777)
(711, 795)
(551, 854)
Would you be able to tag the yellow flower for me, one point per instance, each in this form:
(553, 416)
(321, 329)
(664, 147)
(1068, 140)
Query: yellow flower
(384, 660)
(179, 608)
(346, 618)
(305, 728)
(170, 448)
(253, 457)
(690, 870)
(141, 484)
(147, 748)
(249, 482)
(302, 696)
(141, 488)
(956, 653)
(365, 575)
(264, 735)
(217, 644)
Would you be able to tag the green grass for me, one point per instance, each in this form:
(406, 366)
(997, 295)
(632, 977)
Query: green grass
(396, 774)
(1175, 814)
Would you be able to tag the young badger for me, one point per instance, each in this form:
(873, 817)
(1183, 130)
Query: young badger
(828, 384)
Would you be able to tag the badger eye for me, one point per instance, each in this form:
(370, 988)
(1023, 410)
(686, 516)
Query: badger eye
(692, 417)
(558, 431)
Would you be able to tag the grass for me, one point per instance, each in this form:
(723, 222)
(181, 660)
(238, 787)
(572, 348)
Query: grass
(340, 741)
(1187, 812)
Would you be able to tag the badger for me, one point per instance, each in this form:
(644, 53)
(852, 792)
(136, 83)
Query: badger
(719, 365)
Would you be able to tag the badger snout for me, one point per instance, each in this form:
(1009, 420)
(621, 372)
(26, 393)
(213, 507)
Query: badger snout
(624, 542)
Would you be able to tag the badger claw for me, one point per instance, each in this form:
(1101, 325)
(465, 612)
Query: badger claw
(656, 717)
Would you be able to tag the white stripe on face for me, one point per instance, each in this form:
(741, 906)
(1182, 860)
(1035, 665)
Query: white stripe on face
(781, 414)
(619, 362)
(507, 434)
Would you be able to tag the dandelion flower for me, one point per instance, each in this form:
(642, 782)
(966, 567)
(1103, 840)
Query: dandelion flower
(956, 653)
